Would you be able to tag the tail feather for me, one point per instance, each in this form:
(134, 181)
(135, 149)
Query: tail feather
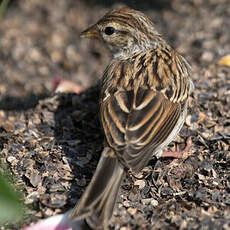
(97, 203)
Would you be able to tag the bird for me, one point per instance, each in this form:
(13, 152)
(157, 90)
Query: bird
(143, 105)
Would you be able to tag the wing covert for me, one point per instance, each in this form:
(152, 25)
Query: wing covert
(141, 109)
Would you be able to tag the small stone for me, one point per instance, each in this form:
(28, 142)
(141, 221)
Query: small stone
(11, 159)
(56, 56)
(126, 203)
(31, 197)
(154, 202)
(133, 196)
(35, 54)
(125, 228)
(39, 214)
(146, 201)
(200, 176)
(132, 211)
(188, 120)
(48, 212)
(140, 183)
(207, 56)
(139, 175)
(35, 179)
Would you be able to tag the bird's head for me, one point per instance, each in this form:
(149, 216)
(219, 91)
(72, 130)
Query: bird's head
(124, 31)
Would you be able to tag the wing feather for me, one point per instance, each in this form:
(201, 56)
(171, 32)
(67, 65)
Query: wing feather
(137, 117)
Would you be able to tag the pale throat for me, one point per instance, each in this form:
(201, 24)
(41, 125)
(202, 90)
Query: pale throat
(134, 48)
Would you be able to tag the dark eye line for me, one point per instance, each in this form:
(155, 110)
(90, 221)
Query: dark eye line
(123, 32)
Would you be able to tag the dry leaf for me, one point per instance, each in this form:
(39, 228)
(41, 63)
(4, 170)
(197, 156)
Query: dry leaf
(224, 61)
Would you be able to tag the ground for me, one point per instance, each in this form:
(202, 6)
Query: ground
(51, 142)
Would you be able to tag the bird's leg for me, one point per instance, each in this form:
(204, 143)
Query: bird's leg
(178, 154)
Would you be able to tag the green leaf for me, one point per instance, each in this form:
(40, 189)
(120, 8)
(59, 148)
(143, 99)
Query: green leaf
(3, 6)
(10, 207)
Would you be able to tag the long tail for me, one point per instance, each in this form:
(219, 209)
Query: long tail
(97, 203)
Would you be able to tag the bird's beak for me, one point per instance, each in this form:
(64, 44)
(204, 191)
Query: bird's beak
(91, 32)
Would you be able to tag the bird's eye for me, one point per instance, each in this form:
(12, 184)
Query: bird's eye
(109, 30)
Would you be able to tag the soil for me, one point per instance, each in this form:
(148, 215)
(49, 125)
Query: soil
(51, 143)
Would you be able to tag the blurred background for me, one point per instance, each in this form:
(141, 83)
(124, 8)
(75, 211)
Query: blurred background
(39, 41)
